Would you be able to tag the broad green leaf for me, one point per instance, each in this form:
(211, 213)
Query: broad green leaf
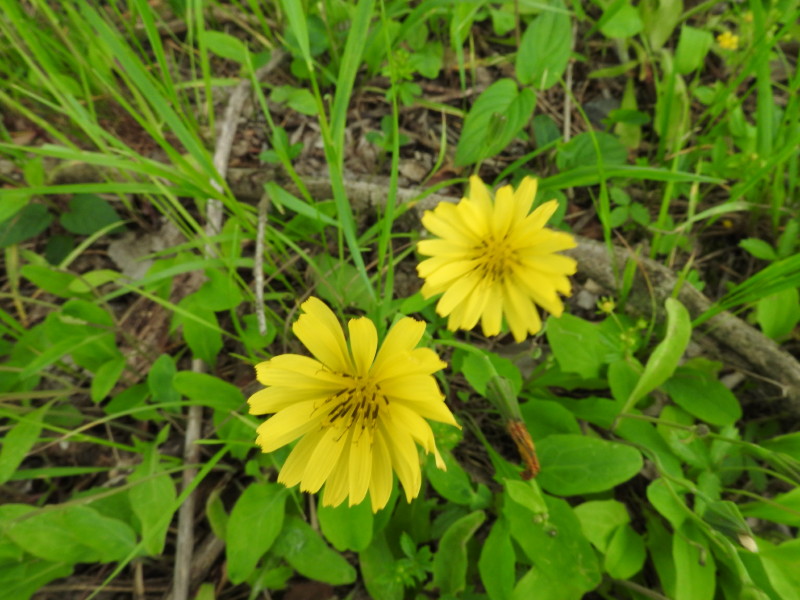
(788, 444)
(779, 313)
(557, 548)
(159, 380)
(339, 282)
(546, 417)
(152, 494)
(452, 483)
(225, 45)
(106, 378)
(576, 345)
(21, 580)
(299, 99)
(50, 279)
(693, 45)
(379, 570)
(783, 508)
(93, 280)
(305, 550)
(664, 359)
(545, 47)
(780, 562)
(89, 213)
(219, 292)
(347, 527)
(682, 440)
(450, 563)
(497, 116)
(701, 394)
(695, 567)
(208, 390)
(11, 206)
(497, 561)
(759, 248)
(204, 340)
(668, 500)
(626, 553)
(73, 534)
(599, 519)
(527, 494)
(29, 222)
(478, 373)
(660, 18)
(254, 524)
(576, 464)
(580, 151)
(622, 23)
(18, 441)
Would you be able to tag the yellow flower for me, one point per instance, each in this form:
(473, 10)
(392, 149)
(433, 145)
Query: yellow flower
(728, 41)
(357, 413)
(493, 259)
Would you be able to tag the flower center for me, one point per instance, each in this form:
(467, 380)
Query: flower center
(494, 258)
(355, 407)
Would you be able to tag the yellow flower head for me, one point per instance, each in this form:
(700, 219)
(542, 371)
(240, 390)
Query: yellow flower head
(358, 411)
(493, 259)
(728, 41)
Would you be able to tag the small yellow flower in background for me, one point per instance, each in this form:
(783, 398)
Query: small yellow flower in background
(606, 305)
(494, 259)
(359, 411)
(728, 41)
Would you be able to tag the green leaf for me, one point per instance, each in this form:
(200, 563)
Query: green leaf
(693, 45)
(299, 99)
(20, 581)
(49, 279)
(225, 45)
(545, 47)
(219, 292)
(93, 280)
(527, 494)
(73, 534)
(339, 282)
(580, 151)
(18, 441)
(780, 562)
(701, 394)
(159, 380)
(622, 23)
(556, 546)
(497, 560)
(106, 378)
(626, 554)
(379, 570)
(668, 501)
(29, 222)
(576, 345)
(254, 524)
(305, 550)
(664, 359)
(495, 119)
(575, 464)
(759, 248)
(546, 417)
(478, 373)
(779, 313)
(599, 519)
(11, 206)
(203, 339)
(208, 390)
(450, 563)
(89, 213)
(452, 483)
(347, 527)
(151, 496)
(695, 568)
(660, 18)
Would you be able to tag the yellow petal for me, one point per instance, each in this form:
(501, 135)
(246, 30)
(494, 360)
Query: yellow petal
(295, 466)
(363, 343)
(523, 197)
(475, 305)
(541, 215)
(548, 241)
(479, 194)
(380, 483)
(444, 248)
(456, 293)
(540, 289)
(295, 371)
(336, 488)
(450, 272)
(323, 459)
(401, 339)
(440, 226)
(360, 468)
(404, 456)
(286, 426)
(520, 314)
(413, 424)
(552, 263)
(492, 317)
(503, 211)
(274, 399)
(320, 332)
(417, 388)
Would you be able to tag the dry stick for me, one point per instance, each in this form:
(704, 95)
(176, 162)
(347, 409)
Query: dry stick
(258, 266)
(184, 546)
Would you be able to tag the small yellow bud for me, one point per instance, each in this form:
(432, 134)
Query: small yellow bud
(728, 41)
